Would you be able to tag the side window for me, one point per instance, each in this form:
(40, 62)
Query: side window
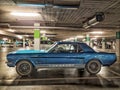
(65, 48)
(79, 48)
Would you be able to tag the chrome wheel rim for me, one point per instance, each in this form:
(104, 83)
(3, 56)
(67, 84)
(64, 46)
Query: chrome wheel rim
(94, 67)
(24, 68)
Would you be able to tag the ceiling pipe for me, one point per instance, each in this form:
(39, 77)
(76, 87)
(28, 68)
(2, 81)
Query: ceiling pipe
(50, 4)
(97, 18)
(57, 28)
(64, 28)
(44, 27)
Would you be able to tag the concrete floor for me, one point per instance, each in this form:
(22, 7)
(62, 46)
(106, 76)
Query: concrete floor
(58, 79)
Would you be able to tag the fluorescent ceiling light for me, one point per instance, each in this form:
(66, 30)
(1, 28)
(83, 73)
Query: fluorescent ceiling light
(97, 32)
(32, 5)
(94, 38)
(97, 36)
(24, 14)
(43, 31)
(26, 35)
(68, 39)
(72, 38)
(1, 32)
(94, 23)
(86, 25)
(19, 36)
(5, 39)
(79, 36)
(11, 30)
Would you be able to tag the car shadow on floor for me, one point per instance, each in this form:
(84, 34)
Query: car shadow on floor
(60, 77)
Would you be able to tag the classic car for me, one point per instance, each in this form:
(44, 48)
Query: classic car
(60, 55)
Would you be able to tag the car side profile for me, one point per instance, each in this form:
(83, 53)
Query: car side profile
(60, 55)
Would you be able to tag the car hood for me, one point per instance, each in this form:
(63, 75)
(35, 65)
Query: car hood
(28, 51)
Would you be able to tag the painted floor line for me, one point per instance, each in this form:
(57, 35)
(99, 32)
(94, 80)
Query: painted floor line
(101, 81)
(114, 72)
(82, 78)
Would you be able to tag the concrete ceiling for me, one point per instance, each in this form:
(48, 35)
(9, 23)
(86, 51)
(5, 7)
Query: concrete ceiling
(60, 18)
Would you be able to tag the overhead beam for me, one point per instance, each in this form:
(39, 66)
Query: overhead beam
(8, 34)
(62, 28)
(44, 27)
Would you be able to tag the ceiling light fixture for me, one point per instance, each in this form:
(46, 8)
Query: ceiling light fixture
(11, 30)
(97, 18)
(19, 36)
(26, 35)
(79, 36)
(53, 5)
(27, 14)
(42, 31)
(5, 39)
(1, 32)
(97, 36)
(96, 32)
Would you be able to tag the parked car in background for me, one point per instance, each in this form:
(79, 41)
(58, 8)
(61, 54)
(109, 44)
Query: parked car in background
(60, 55)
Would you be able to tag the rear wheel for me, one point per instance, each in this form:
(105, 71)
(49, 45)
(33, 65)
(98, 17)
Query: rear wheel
(93, 66)
(24, 68)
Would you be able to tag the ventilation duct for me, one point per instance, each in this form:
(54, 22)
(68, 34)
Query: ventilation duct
(98, 17)
(68, 4)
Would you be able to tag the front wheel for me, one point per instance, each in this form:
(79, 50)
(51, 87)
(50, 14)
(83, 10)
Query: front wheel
(24, 68)
(93, 66)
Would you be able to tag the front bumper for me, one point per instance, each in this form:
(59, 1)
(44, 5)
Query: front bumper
(10, 64)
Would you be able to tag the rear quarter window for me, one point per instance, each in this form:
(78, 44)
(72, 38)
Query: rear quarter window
(86, 48)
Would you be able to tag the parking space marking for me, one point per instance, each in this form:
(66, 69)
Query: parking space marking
(106, 78)
(101, 81)
(114, 72)
(81, 78)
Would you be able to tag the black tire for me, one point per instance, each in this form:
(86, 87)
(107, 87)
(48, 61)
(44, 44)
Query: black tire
(93, 66)
(24, 68)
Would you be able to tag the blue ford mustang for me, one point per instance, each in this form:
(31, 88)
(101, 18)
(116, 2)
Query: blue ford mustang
(62, 54)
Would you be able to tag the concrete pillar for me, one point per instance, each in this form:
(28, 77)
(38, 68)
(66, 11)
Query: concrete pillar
(91, 43)
(103, 43)
(36, 36)
(118, 44)
(9, 40)
(29, 42)
(14, 43)
(87, 39)
(76, 39)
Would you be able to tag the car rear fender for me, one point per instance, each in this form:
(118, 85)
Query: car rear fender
(94, 59)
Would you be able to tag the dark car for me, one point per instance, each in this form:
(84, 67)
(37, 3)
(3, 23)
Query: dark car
(62, 54)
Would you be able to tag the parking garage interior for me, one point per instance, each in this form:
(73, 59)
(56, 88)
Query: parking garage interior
(38, 24)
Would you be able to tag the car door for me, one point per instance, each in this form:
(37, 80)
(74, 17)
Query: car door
(65, 55)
